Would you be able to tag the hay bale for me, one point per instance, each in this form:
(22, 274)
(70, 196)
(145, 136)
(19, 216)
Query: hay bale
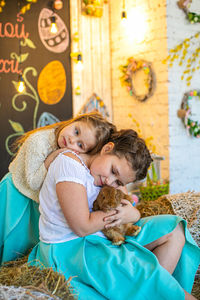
(160, 206)
(185, 205)
(19, 273)
(12, 292)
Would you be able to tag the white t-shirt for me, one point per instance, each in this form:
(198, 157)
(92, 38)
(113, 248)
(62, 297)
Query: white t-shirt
(53, 225)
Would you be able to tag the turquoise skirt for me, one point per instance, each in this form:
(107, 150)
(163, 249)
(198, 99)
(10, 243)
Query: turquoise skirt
(19, 221)
(101, 270)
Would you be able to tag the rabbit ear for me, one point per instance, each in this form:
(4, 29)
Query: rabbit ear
(128, 197)
(119, 195)
(103, 198)
(95, 205)
(122, 195)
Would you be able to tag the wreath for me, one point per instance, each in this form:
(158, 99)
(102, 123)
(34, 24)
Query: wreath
(131, 68)
(192, 127)
(192, 17)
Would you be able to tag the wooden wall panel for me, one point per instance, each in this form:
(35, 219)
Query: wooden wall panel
(95, 47)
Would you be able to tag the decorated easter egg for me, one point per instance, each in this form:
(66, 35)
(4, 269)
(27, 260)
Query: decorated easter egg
(47, 118)
(55, 42)
(95, 103)
(58, 4)
(52, 83)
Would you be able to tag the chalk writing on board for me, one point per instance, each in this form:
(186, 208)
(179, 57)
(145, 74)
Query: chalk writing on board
(14, 31)
(23, 51)
(9, 30)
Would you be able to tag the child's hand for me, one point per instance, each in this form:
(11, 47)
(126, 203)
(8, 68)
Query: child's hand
(125, 213)
(108, 216)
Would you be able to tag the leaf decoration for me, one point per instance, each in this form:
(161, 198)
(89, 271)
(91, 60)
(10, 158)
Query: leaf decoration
(23, 57)
(15, 83)
(20, 58)
(28, 42)
(186, 54)
(17, 127)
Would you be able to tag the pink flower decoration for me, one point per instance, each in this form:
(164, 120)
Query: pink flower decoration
(186, 3)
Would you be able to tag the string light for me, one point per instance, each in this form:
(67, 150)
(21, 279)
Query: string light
(123, 14)
(79, 62)
(20, 85)
(54, 28)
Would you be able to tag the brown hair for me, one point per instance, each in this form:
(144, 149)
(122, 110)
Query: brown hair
(104, 129)
(127, 143)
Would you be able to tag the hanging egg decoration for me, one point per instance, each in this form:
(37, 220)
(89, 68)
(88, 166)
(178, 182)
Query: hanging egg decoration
(57, 4)
(95, 103)
(57, 42)
(47, 118)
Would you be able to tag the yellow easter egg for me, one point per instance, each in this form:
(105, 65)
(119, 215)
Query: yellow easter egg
(52, 83)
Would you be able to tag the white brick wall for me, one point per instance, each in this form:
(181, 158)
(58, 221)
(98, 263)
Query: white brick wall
(166, 26)
(184, 159)
(151, 45)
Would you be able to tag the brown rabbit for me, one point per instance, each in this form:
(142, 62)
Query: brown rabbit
(109, 198)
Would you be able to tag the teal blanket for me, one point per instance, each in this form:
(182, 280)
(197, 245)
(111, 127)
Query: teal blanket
(101, 270)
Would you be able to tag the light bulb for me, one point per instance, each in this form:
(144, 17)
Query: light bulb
(54, 28)
(79, 62)
(123, 18)
(58, 4)
(21, 85)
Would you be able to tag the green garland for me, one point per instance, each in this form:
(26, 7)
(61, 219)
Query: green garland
(192, 127)
(192, 17)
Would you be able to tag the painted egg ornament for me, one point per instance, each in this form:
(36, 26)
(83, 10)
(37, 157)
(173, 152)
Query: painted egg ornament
(52, 83)
(47, 118)
(53, 42)
(58, 4)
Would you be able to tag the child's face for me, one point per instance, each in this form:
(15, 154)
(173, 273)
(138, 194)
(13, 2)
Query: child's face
(109, 169)
(77, 136)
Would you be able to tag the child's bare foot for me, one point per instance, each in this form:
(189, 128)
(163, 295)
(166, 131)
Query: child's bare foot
(189, 296)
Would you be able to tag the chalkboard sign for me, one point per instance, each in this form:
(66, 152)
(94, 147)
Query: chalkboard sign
(27, 46)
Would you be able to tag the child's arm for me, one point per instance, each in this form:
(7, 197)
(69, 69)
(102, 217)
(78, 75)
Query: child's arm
(126, 213)
(50, 158)
(74, 204)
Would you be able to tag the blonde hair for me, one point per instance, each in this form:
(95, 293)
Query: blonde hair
(104, 129)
